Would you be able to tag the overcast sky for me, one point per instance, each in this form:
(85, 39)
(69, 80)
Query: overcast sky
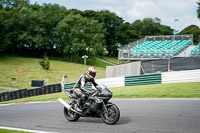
(131, 10)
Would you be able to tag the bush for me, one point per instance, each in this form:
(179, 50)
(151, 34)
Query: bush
(45, 63)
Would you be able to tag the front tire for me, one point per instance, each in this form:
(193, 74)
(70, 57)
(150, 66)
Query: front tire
(70, 115)
(113, 114)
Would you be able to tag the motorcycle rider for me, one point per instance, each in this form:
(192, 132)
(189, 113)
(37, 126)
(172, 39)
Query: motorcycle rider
(80, 87)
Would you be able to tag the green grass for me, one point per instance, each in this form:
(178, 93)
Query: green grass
(11, 131)
(97, 63)
(113, 60)
(2, 90)
(175, 90)
(31, 70)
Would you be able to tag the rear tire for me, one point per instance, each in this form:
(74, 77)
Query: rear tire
(70, 115)
(113, 116)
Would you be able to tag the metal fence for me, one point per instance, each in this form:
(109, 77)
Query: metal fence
(169, 37)
(133, 44)
(23, 93)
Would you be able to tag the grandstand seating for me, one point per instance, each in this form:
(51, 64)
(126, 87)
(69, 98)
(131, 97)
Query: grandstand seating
(158, 49)
(195, 51)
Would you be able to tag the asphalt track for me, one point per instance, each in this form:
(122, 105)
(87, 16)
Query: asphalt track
(137, 116)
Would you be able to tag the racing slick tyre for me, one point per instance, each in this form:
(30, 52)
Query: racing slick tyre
(70, 115)
(113, 114)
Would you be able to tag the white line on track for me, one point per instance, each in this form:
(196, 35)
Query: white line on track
(25, 130)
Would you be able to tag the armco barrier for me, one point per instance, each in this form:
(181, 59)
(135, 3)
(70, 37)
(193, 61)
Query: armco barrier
(181, 76)
(47, 89)
(143, 79)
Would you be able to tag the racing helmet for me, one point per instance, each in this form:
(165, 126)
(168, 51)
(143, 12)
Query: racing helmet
(91, 72)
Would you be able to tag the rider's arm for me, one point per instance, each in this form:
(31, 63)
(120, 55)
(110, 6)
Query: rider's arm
(83, 82)
(94, 83)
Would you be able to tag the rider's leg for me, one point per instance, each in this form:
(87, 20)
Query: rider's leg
(81, 98)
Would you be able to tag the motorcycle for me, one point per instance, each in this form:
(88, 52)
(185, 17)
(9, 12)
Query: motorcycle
(96, 105)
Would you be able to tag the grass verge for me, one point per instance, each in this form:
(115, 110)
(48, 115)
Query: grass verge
(3, 90)
(31, 70)
(175, 90)
(11, 131)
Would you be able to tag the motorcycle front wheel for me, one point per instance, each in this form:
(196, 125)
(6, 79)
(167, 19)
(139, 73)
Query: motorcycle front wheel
(113, 114)
(70, 115)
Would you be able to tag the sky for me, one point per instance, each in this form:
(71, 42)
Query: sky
(130, 10)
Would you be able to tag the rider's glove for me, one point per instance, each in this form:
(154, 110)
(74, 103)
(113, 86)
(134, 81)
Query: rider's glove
(98, 87)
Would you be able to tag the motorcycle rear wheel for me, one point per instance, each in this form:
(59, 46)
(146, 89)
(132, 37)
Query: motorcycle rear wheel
(113, 114)
(70, 115)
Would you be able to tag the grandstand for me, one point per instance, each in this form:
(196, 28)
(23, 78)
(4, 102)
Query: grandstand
(195, 51)
(159, 47)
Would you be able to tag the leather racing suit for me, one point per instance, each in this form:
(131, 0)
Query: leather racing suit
(80, 87)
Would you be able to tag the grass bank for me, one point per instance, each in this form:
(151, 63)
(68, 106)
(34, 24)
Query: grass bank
(113, 60)
(175, 90)
(31, 70)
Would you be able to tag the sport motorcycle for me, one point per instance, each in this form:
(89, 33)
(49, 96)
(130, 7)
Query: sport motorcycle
(96, 105)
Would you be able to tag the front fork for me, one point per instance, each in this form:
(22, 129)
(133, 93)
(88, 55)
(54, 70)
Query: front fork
(101, 101)
(104, 106)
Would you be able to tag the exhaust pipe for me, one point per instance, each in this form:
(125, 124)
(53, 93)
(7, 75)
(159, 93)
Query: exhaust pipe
(66, 105)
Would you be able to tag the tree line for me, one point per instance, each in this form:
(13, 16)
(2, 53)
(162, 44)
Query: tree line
(33, 29)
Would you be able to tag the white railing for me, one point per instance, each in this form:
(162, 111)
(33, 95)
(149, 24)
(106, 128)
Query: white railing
(111, 82)
(181, 76)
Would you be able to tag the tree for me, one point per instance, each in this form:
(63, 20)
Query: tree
(77, 35)
(149, 27)
(45, 63)
(4, 38)
(8, 21)
(32, 29)
(10, 4)
(31, 32)
(127, 34)
(111, 25)
(198, 9)
(39, 35)
(192, 29)
(52, 15)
